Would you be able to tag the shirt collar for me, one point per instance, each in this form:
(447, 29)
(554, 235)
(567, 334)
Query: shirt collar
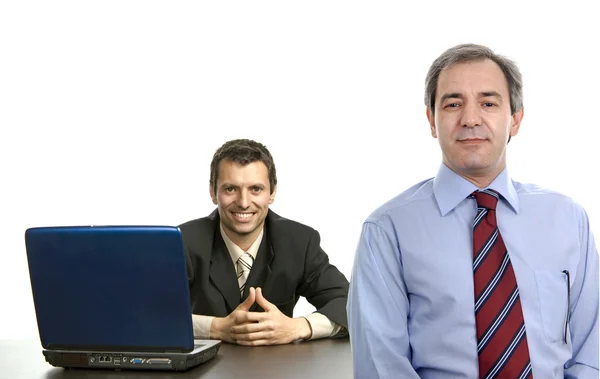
(235, 251)
(450, 189)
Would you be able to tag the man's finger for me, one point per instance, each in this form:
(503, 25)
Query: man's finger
(249, 328)
(245, 306)
(264, 303)
(257, 316)
(252, 336)
(256, 343)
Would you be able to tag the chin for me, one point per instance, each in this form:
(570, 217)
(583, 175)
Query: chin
(473, 163)
(241, 229)
(244, 231)
(475, 167)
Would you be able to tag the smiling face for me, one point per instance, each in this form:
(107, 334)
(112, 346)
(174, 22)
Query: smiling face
(473, 119)
(243, 196)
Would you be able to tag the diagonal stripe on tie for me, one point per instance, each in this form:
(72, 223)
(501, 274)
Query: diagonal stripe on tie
(501, 335)
(484, 228)
(244, 265)
(485, 249)
(498, 320)
(481, 212)
(480, 298)
(496, 308)
(489, 266)
(515, 349)
(526, 371)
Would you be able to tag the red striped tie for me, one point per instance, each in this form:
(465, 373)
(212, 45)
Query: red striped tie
(501, 338)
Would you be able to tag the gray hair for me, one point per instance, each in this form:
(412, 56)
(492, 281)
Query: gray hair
(471, 52)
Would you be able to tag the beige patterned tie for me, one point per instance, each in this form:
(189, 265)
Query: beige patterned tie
(244, 264)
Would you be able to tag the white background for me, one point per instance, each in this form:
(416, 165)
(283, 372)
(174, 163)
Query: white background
(110, 111)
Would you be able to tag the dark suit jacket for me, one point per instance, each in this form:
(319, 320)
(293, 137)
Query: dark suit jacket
(290, 263)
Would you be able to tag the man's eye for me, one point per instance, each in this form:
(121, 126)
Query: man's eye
(452, 105)
(488, 104)
(229, 189)
(256, 189)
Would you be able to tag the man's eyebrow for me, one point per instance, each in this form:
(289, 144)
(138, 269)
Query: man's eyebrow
(490, 94)
(454, 95)
(228, 185)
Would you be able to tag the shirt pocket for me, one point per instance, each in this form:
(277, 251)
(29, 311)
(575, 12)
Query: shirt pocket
(553, 290)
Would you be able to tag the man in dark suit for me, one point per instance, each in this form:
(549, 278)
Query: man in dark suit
(247, 266)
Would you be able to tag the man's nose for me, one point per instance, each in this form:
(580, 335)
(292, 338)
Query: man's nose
(243, 200)
(471, 116)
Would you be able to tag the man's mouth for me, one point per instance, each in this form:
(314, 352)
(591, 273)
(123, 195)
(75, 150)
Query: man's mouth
(242, 216)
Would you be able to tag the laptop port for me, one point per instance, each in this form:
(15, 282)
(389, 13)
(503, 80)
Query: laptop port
(105, 359)
(161, 361)
(136, 361)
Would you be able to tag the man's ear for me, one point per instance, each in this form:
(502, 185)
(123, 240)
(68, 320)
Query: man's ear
(272, 196)
(431, 119)
(213, 195)
(516, 122)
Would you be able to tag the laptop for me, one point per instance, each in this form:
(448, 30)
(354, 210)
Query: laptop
(113, 297)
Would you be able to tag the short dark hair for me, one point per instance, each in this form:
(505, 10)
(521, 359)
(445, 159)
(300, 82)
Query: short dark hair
(243, 151)
(471, 52)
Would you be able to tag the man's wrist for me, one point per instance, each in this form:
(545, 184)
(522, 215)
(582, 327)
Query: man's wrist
(304, 328)
(201, 325)
(215, 329)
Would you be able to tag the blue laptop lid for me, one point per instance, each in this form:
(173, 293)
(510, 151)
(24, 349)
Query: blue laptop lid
(110, 288)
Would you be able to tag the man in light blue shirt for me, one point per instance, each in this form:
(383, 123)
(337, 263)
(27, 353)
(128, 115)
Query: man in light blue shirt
(411, 306)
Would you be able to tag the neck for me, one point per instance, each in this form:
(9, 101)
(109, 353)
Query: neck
(480, 178)
(243, 241)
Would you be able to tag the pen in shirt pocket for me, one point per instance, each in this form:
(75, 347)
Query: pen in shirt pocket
(566, 272)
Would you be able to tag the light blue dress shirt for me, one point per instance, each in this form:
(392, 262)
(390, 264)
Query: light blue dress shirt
(410, 306)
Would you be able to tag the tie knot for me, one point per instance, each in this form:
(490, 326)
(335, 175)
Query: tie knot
(486, 199)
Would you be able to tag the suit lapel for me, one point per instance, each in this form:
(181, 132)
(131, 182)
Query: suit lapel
(222, 272)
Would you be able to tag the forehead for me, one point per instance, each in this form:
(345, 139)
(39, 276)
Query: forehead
(474, 76)
(234, 173)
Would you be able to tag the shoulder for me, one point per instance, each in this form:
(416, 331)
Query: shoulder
(281, 226)
(554, 204)
(414, 198)
(200, 225)
(533, 193)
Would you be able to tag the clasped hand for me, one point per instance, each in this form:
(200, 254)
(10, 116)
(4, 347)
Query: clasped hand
(270, 327)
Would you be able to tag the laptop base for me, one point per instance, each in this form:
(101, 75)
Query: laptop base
(132, 360)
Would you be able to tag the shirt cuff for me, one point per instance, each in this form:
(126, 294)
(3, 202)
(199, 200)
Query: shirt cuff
(201, 325)
(321, 326)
